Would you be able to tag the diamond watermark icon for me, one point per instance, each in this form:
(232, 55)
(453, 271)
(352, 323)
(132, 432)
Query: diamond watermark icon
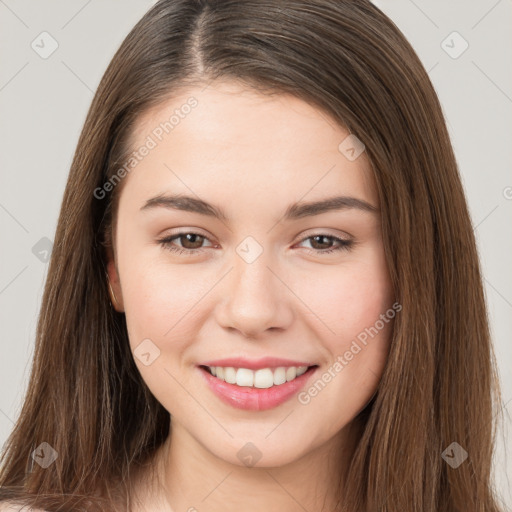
(42, 249)
(249, 454)
(44, 455)
(454, 455)
(146, 352)
(454, 45)
(249, 249)
(44, 45)
(351, 147)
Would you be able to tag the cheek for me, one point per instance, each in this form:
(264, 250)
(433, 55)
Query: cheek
(158, 300)
(350, 297)
(361, 305)
(159, 307)
(359, 313)
(355, 302)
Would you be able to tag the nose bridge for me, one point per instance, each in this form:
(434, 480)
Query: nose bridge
(254, 301)
(252, 280)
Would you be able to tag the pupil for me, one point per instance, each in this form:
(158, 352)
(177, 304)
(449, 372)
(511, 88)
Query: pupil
(319, 237)
(193, 236)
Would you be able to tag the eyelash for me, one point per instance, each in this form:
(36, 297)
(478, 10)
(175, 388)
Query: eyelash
(344, 245)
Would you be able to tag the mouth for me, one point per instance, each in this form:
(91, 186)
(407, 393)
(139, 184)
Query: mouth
(256, 390)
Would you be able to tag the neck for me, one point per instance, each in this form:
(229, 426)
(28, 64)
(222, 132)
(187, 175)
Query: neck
(190, 478)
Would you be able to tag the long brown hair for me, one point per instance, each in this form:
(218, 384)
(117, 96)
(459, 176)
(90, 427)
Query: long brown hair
(86, 398)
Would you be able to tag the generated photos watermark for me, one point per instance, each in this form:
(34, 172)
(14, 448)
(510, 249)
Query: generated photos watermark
(304, 397)
(151, 142)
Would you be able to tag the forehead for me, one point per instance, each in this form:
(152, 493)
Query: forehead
(225, 139)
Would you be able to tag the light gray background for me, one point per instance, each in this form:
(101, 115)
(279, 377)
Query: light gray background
(43, 103)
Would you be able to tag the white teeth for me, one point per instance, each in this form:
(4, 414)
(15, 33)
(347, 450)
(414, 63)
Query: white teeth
(291, 373)
(244, 377)
(230, 375)
(301, 370)
(262, 378)
(279, 376)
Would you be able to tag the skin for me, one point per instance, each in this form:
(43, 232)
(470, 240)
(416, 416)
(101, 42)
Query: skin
(252, 155)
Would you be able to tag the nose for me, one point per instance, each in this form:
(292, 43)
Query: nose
(256, 298)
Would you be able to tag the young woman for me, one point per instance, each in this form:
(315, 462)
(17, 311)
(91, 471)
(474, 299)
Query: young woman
(264, 292)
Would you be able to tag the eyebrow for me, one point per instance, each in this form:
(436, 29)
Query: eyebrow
(295, 211)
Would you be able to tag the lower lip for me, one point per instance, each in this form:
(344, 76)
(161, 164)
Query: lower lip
(256, 399)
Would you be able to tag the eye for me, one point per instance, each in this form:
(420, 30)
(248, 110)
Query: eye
(319, 239)
(192, 243)
(193, 239)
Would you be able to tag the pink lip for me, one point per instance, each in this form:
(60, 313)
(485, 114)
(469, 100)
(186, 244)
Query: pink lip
(255, 399)
(255, 364)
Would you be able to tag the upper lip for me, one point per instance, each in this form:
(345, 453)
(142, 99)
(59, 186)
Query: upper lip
(255, 364)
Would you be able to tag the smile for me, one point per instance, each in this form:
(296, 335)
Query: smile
(256, 390)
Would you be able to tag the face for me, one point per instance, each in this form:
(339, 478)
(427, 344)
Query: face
(262, 279)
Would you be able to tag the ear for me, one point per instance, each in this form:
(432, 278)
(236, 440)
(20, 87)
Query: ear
(115, 283)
